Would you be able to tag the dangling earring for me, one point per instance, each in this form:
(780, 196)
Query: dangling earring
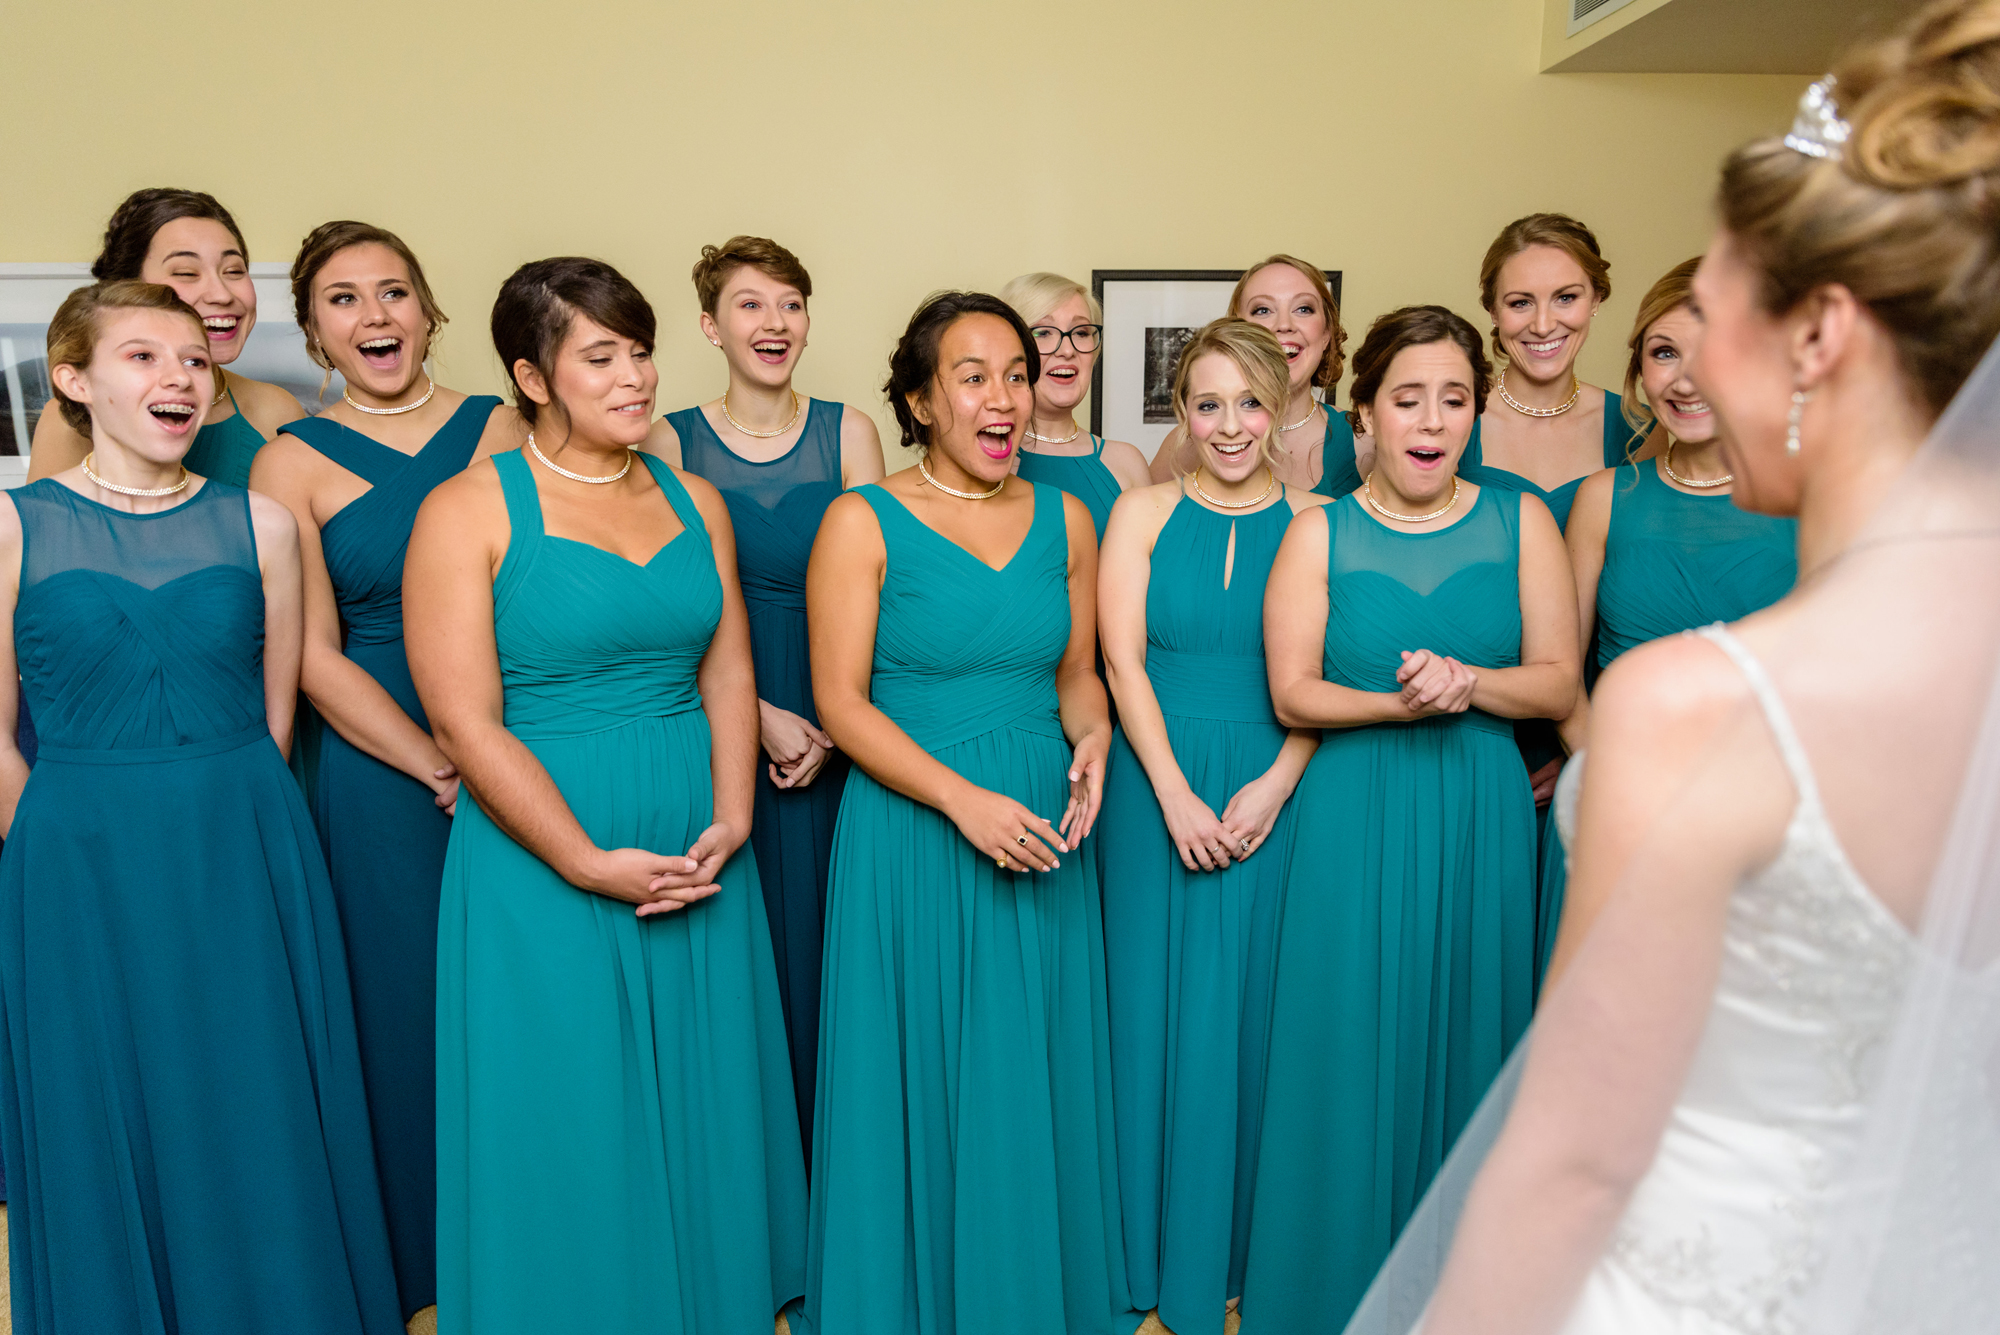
(1798, 411)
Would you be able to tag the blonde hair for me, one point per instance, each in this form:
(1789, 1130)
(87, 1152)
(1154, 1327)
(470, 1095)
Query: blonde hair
(1674, 290)
(73, 334)
(1256, 353)
(1034, 295)
(1906, 215)
(1328, 372)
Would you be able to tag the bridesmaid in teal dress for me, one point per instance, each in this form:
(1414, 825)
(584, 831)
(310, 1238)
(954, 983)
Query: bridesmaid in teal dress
(1656, 546)
(617, 1144)
(1189, 911)
(1411, 622)
(779, 460)
(188, 241)
(964, 1169)
(184, 1125)
(354, 477)
(1067, 323)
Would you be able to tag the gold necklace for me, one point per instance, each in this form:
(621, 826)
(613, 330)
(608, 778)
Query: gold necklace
(133, 491)
(222, 383)
(393, 412)
(1368, 494)
(1195, 478)
(762, 435)
(555, 467)
(1302, 421)
(954, 491)
(1667, 467)
(1575, 393)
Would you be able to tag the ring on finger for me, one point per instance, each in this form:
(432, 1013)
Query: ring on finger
(1001, 862)
(1021, 839)
(1243, 844)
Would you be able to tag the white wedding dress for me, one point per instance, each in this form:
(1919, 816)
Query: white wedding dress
(1727, 1231)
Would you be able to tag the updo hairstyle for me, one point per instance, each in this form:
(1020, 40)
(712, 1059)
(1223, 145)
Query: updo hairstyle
(914, 363)
(1256, 352)
(1559, 230)
(329, 239)
(129, 234)
(1415, 327)
(712, 270)
(1674, 290)
(1034, 295)
(1906, 215)
(539, 303)
(73, 334)
(1327, 374)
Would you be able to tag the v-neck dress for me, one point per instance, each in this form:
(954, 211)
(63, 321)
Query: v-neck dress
(383, 832)
(617, 1144)
(964, 1169)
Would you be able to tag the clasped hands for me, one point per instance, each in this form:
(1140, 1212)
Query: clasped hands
(798, 750)
(662, 882)
(1434, 684)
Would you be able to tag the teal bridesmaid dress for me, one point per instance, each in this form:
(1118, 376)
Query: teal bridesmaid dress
(183, 1121)
(1339, 473)
(1406, 937)
(1188, 954)
(964, 1166)
(383, 831)
(775, 508)
(1619, 438)
(1084, 476)
(1673, 561)
(223, 451)
(617, 1145)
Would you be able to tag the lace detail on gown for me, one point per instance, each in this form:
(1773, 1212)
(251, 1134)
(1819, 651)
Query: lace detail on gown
(1728, 1224)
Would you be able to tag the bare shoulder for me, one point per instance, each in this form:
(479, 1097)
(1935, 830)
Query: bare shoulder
(850, 529)
(857, 427)
(505, 430)
(466, 496)
(1127, 464)
(1669, 696)
(665, 442)
(1302, 500)
(704, 495)
(272, 521)
(1075, 512)
(10, 521)
(268, 407)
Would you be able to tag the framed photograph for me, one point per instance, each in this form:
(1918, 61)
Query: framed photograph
(29, 296)
(1149, 316)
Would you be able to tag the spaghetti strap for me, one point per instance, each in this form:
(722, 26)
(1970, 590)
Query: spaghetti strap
(1775, 714)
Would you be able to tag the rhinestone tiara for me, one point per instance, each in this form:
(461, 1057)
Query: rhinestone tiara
(1818, 131)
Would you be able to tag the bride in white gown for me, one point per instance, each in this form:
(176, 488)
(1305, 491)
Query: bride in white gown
(1761, 1094)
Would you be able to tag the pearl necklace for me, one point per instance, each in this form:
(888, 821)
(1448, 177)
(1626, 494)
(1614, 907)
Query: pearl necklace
(133, 491)
(1368, 494)
(1667, 467)
(761, 435)
(554, 467)
(1302, 421)
(1269, 486)
(1056, 440)
(1575, 393)
(954, 491)
(392, 412)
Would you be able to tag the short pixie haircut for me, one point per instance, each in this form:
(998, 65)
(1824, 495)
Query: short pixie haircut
(74, 332)
(712, 270)
(539, 303)
(914, 363)
(1415, 327)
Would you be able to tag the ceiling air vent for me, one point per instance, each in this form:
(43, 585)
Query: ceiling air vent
(1583, 13)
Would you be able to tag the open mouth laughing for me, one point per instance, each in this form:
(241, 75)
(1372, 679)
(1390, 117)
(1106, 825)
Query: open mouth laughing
(997, 440)
(771, 351)
(383, 354)
(220, 328)
(174, 415)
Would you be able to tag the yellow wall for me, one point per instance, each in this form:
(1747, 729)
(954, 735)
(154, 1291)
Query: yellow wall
(897, 146)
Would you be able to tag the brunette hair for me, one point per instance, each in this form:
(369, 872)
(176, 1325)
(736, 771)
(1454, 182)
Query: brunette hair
(329, 239)
(73, 334)
(1674, 290)
(1414, 327)
(1036, 294)
(539, 303)
(1256, 353)
(129, 234)
(1542, 229)
(712, 270)
(1335, 361)
(1906, 214)
(914, 363)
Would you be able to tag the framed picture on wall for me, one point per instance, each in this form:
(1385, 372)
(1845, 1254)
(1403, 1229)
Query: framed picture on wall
(29, 297)
(1149, 316)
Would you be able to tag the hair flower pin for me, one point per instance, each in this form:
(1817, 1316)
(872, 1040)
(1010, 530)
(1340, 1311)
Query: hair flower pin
(1818, 131)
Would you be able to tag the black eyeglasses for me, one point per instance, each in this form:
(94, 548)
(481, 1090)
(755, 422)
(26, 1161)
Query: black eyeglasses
(1083, 338)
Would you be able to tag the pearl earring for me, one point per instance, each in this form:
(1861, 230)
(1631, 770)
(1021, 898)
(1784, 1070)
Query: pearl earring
(1798, 411)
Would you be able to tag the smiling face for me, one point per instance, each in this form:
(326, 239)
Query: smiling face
(761, 324)
(1285, 302)
(1543, 313)
(148, 384)
(601, 382)
(1065, 372)
(1421, 419)
(368, 320)
(1228, 423)
(1742, 366)
(1663, 363)
(201, 261)
(978, 404)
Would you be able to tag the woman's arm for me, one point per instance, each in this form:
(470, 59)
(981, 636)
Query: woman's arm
(1295, 611)
(1589, 530)
(1086, 714)
(860, 448)
(1122, 581)
(843, 608)
(1166, 460)
(277, 537)
(1126, 464)
(1549, 678)
(455, 550)
(13, 767)
(1613, 1042)
(343, 692)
